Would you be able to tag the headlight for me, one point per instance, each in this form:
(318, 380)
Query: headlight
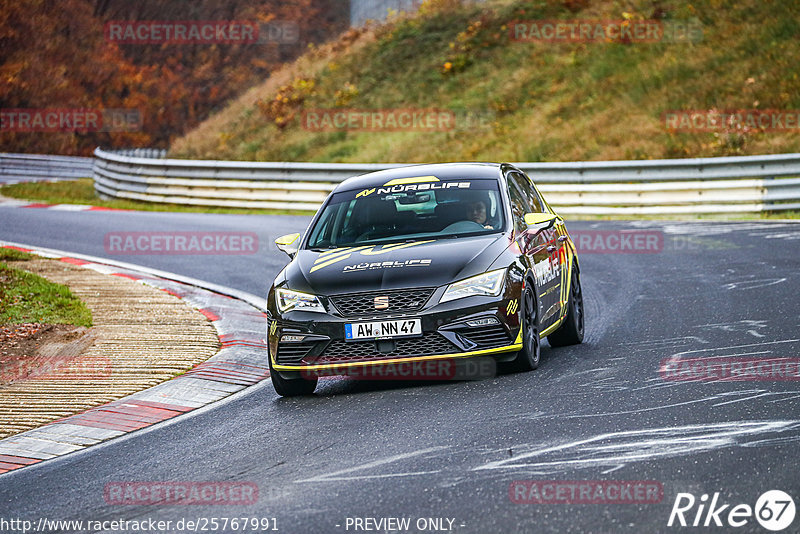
(484, 284)
(294, 300)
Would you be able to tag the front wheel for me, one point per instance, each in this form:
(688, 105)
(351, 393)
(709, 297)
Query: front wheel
(571, 332)
(291, 387)
(528, 358)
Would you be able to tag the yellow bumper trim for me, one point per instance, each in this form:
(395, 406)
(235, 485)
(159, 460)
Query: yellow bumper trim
(318, 367)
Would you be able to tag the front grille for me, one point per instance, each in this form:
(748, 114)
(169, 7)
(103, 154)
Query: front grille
(487, 337)
(293, 352)
(429, 344)
(402, 300)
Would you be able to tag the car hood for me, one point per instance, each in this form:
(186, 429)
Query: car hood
(394, 265)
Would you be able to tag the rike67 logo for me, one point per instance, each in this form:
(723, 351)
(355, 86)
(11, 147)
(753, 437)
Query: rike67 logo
(774, 510)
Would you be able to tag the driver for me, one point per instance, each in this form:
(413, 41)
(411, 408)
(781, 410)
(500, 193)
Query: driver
(476, 212)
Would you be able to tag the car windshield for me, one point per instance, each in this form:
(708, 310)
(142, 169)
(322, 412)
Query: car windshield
(409, 209)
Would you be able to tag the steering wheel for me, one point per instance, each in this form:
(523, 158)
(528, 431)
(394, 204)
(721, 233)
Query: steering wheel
(462, 227)
(372, 233)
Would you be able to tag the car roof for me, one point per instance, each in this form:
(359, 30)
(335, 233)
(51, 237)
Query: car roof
(443, 171)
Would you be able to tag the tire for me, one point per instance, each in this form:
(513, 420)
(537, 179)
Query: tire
(571, 332)
(528, 358)
(291, 387)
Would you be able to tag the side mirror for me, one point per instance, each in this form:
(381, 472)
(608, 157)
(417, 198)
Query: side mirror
(538, 222)
(289, 244)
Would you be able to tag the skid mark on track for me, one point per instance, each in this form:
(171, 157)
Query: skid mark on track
(748, 326)
(712, 228)
(731, 350)
(753, 284)
(788, 398)
(606, 452)
(757, 393)
(725, 397)
(657, 383)
(744, 399)
(610, 384)
(344, 474)
(661, 344)
(610, 450)
(789, 236)
(640, 410)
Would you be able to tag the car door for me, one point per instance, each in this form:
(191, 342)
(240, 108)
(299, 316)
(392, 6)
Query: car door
(540, 248)
(564, 252)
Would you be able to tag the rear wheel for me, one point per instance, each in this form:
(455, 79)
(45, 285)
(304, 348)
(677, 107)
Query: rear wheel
(571, 332)
(291, 387)
(528, 358)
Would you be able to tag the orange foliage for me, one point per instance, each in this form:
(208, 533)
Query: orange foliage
(55, 56)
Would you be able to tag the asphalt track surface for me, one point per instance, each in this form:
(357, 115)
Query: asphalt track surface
(597, 411)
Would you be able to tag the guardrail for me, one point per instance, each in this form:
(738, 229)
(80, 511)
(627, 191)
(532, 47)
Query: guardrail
(32, 166)
(656, 187)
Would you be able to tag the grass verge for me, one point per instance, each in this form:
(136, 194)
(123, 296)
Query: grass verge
(82, 192)
(29, 298)
(11, 254)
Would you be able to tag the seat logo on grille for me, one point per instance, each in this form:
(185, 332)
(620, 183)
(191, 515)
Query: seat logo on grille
(382, 302)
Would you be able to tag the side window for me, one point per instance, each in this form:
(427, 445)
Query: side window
(534, 201)
(519, 203)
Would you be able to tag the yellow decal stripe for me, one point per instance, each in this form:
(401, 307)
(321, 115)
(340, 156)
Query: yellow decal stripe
(325, 256)
(414, 180)
(333, 252)
(392, 247)
(512, 307)
(518, 341)
(365, 192)
(550, 328)
(568, 285)
(329, 262)
(331, 257)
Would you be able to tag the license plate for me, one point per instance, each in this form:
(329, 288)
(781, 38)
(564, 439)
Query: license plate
(383, 329)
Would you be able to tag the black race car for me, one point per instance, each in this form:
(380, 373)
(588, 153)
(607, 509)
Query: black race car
(423, 263)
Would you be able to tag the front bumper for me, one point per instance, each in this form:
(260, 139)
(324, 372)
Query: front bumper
(308, 341)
